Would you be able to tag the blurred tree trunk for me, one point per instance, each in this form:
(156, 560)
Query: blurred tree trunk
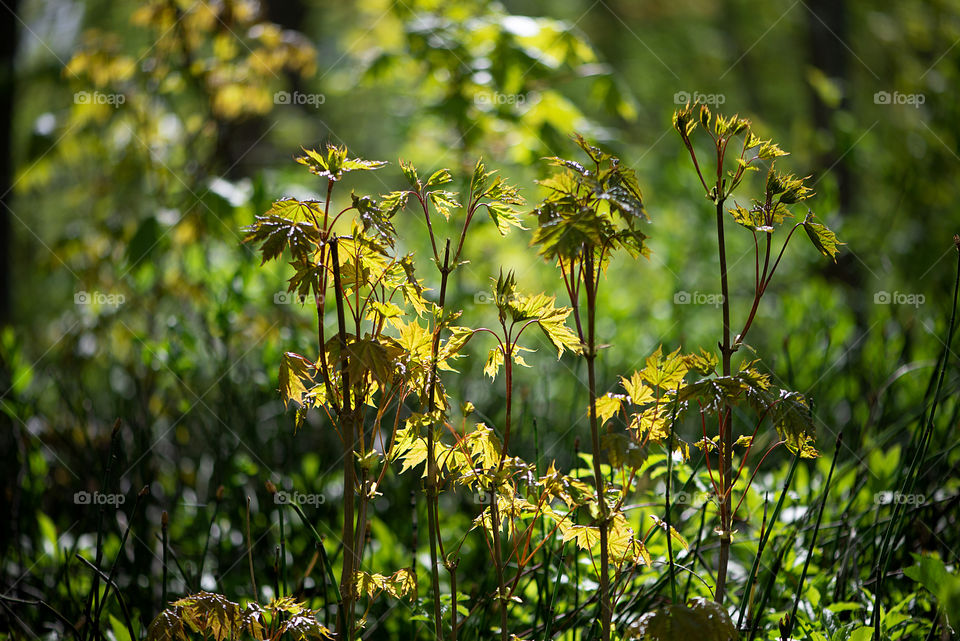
(9, 442)
(8, 49)
(289, 14)
(745, 70)
(236, 141)
(827, 33)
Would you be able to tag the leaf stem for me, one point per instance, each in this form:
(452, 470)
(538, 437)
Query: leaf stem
(606, 610)
(345, 611)
(726, 431)
(432, 482)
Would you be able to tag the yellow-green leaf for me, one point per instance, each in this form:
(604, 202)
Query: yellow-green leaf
(822, 238)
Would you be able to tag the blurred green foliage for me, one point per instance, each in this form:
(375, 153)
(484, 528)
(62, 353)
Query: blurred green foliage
(145, 135)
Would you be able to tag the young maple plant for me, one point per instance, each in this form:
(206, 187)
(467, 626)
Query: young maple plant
(591, 211)
(361, 369)
(380, 354)
(492, 193)
(377, 373)
(737, 151)
(516, 312)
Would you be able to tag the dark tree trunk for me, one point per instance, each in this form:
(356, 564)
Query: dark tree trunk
(8, 49)
(741, 39)
(235, 155)
(9, 496)
(289, 14)
(827, 31)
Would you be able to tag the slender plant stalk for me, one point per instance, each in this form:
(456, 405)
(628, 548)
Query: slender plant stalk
(176, 562)
(548, 620)
(345, 612)
(283, 554)
(726, 431)
(695, 552)
(318, 540)
(498, 564)
(324, 367)
(164, 521)
(543, 587)
(432, 473)
(915, 465)
(770, 581)
(765, 536)
(123, 604)
(116, 559)
(791, 621)
(361, 529)
(414, 544)
(790, 191)
(606, 610)
(46, 606)
(576, 550)
(666, 499)
(276, 569)
(494, 507)
(213, 519)
(452, 570)
(93, 598)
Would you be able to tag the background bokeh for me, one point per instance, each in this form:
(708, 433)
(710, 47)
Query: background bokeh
(139, 138)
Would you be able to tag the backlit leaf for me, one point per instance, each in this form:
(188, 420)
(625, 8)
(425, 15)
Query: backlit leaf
(607, 407)
(494, 362)
(275, 233)
(822, 238)
(445, 202)
(332, 162)
(440, 177)
(295, 377)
